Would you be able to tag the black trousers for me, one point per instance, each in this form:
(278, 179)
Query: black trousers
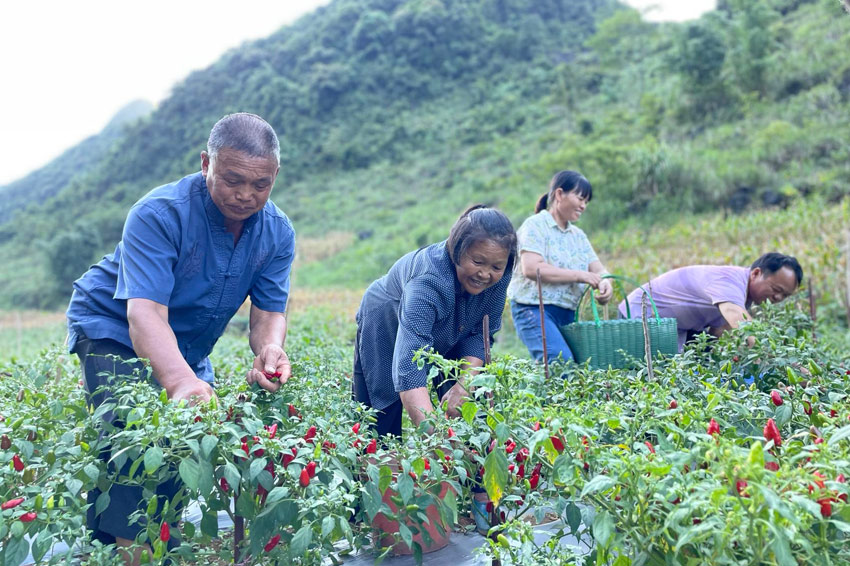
(101, 361)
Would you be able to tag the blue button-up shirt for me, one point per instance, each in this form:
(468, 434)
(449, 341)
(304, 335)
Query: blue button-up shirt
(176, 251)
(420, 303)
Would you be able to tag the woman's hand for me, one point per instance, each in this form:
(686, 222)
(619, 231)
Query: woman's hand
(592, 279)
(454, 399)
(606, 291)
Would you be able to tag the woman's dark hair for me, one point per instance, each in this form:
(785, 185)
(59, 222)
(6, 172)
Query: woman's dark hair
(481, 223)
(772, 262)
(566, 181)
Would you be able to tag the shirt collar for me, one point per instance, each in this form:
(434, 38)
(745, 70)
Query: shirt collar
(552, 223)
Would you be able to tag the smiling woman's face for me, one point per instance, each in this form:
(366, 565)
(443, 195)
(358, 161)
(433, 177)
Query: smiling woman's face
(482, 266)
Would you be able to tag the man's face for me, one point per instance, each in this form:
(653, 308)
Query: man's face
(239, 184)
(775, 287)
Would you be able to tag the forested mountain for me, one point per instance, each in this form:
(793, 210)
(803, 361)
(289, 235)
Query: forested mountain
(394, 115)
(48, 181)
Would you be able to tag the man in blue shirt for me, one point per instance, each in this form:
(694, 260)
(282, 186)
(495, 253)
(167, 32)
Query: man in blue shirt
(191, 252)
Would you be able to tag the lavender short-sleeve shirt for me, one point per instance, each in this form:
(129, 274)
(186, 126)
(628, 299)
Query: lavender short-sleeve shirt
(691, 295)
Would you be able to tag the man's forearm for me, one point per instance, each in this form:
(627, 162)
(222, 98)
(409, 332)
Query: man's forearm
(417, 403)
(153, 339)
(266, 328)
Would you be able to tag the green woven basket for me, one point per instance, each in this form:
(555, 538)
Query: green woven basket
(612, 343)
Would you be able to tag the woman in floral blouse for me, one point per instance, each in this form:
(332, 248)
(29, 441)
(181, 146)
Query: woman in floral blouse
(551, 242)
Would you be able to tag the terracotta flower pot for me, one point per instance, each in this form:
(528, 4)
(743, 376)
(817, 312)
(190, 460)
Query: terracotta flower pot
(385, 528)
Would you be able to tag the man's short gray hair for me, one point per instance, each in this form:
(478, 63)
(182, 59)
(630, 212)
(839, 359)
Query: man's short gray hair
(244, 132)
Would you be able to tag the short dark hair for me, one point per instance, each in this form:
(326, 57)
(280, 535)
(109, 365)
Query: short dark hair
(566, 181)
(244, 132)
(481, 223)
(772, 262)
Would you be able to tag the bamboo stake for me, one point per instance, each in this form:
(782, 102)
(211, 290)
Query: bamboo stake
(542, 325)
(813, 311)
(647, 345)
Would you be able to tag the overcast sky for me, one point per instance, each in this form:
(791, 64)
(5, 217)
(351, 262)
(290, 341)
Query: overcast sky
(67, 67)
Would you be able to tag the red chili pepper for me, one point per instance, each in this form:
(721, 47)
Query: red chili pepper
(489, 506)
(372, 447)
(673, 404)
(18, 463)
(293, 412)
(713, 427)
(164, 532)
(28, 517)
(776, 397)
(310, 434)
(224, 485)
(825, 506)
(807, 407)
(557, 443)
(510, 446)
(771, 432)
(12, 503)
(522, 455)
(327, 446)
(649, 445)
(272, 543)
(304, 478)
(534, 480)
(741, 488)
(287, 459)
(451, 432)
(272, 376)
(520, 473)
(356, 428)
(272, 430)
(197, 418)
(818, 440)
(536, 426)
(840, 479)
(833, 413)
(311, 469)
(772, 466)
(427, 464)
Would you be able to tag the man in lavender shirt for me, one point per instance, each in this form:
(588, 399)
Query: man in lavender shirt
(715, 298)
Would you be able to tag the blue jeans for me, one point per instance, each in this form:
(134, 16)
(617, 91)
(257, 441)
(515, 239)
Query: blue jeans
(527, 323)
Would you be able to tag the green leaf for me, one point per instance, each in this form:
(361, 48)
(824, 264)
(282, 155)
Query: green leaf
(385, 478)
(573, 517)
(468, 410)
(783, 414)
(405, 488)
(371, 500)
(328, 524)
(276, 494)
(16, 551)
(208, 444)
(232, 475)
(418, 466)
(598, 483)
(92, 471)
(209, 524)
(73, 486)
(190, 472)
(839, 435)
(301, 541)
(495, 475)
(781, 547)
(41, 544)
(189, 529)
(102, 503)
(257, 466)
(451, 503)
(603, 528)
(245, 506)
(153, 459)
(406, 535)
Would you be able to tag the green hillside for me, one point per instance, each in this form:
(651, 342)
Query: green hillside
(394, 116)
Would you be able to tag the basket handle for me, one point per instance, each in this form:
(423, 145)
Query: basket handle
(617, 279)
